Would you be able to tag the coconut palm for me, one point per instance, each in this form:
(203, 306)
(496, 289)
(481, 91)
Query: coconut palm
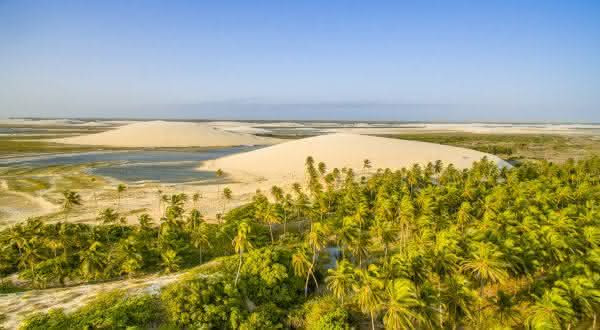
(159, 194)
(302, 266)
(506, 309)
(241, 244)
(219, 173)
(347, 234)
(271, 217)
(108, 216)
(171, 261)
(196, 198)
(550, 311)
(200, 239)
(194, 220)
(145, 221)
(400, 305)
(583, 295)
(120, 189)
(485, 265)
(368, 293)
(366, 165)
(341, 279)
(227, 195)
(69, 201)
(92, 261)
(383, 233)
(458, 299)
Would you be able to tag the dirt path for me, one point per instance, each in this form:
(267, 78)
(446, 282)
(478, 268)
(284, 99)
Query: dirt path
(17, 305)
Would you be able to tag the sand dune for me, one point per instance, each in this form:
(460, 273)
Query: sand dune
(167, 134)
(285, 161)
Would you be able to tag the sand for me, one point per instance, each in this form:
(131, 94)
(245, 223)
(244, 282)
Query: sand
(285, 162)
(167, 134)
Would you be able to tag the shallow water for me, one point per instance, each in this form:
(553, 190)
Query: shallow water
(144, 165)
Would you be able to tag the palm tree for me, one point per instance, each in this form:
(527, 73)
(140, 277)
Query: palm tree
(227, 195)
(120, 189)
(368, 294)
(316, 241)
(302, 266)
(194, 220)
(400, 304)
(196, 198)
(145, 221)
(322, 168)
(506, 309)
(438, 167)
(485, 265)
(271, 217)
(200, 238)
(93, 181)
(31, 255)
(444, 262)
(458, 298)
(241, 244)
(366, 165)
(341, 279)
(583, 295)
(550, 311)
(92, 261)
(70, 200)
(384, 233)
(159, 194)
(129, 258)
(347, 234)
(219, 173)
(108, 216)
(170, 260)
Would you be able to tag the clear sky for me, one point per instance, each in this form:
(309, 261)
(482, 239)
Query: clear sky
(397, 60)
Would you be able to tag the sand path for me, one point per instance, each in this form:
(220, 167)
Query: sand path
(17, 305)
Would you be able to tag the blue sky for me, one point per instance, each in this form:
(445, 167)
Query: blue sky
(381, 60)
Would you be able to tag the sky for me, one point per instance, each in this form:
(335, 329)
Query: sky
(356, 60)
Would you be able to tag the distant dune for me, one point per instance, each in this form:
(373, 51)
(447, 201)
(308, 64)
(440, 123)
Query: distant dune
(167, 134)
(285, 161)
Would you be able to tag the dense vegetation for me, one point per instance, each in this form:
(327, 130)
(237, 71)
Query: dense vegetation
(551, 147)
(426, 247)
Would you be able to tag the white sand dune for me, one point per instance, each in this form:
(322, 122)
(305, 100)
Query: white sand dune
(285, 161)
(167, 134)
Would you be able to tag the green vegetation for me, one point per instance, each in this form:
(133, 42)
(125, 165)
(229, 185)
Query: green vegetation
(114, 310)
(30, 145)
(551, 147)
(427, 247)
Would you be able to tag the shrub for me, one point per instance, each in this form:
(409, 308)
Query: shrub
(206, 302)
(114, 310)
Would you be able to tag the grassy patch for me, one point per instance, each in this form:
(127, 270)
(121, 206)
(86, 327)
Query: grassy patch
(12, 146)
(515, 146)
(7, 286)
(28, 185)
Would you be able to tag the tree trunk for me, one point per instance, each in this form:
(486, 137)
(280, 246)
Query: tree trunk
(306, 284)
(372, 321)
(284, 221)
(314, 279)
(385, 251)
(440, 299)
(271, 232)
(237, 276)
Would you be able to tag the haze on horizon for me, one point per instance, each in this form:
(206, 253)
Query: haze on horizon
(381, 60)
